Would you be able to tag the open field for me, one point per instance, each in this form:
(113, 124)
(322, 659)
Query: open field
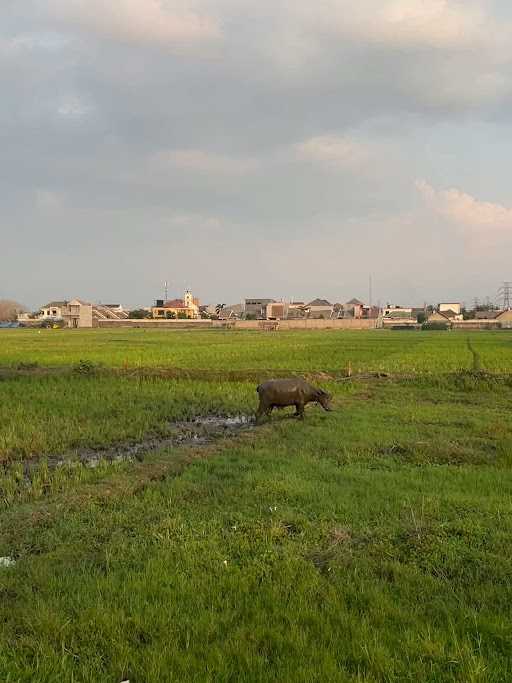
(368, 544)
(426, 352)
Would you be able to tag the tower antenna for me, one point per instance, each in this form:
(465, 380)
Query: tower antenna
(505, 294)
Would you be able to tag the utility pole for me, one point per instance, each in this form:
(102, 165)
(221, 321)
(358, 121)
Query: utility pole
(505, 294)
(476, 303)
(370, 291)
(166, 291)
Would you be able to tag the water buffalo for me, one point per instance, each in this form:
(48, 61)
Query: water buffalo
(279, 393)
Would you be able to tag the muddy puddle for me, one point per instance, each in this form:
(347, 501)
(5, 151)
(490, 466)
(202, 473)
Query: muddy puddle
(198, 431)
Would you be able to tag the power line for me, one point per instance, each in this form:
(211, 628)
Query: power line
(505, 295)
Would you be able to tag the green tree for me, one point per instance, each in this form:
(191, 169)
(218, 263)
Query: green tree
(139, 314)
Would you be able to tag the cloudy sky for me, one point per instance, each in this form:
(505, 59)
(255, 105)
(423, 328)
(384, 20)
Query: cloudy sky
(281, 148)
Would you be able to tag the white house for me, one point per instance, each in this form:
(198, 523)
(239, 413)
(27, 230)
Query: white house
(454, 310)
(52, 310)
(74, 313)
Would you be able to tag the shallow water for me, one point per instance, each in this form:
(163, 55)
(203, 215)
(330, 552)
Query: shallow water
(199, 431)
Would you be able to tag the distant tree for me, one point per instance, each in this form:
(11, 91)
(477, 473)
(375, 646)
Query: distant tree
(170, 315)
(9, 310)
(219, 308)
(182, 315)
(422, 317)
(250, 316)
(139, 314)
(487, 307)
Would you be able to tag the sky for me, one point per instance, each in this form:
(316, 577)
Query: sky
(255, 148)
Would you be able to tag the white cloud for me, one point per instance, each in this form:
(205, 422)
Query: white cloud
(200, 161)
(432, 23)
(138, 21)
(401, 23)
(341, 152)
(464, 210)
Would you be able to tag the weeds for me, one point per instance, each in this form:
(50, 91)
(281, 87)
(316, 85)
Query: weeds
(86, 367)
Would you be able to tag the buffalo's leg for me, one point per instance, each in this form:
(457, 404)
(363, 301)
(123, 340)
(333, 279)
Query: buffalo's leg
(263, 410)
(299, 410)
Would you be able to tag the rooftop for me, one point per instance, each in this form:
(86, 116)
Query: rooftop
(320, 302)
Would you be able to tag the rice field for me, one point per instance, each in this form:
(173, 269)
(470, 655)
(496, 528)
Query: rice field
(368, 544)
(328, 350)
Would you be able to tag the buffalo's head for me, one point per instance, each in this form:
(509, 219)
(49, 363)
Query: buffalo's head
(324, 399)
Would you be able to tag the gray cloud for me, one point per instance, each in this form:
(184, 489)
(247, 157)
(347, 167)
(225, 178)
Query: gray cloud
(252, 147)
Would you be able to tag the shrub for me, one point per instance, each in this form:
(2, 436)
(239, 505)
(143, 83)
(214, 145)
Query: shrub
(435, 326)
(85, 367)
(139, 314)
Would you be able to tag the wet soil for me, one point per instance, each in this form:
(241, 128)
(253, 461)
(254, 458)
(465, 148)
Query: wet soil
(199, 431)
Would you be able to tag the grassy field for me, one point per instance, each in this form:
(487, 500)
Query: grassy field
(368, 544)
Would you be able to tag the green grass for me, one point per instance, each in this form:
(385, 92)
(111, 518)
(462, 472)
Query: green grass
(329, 350)
(368, 544)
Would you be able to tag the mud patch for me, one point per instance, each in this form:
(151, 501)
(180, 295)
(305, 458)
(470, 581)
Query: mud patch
(199, 431)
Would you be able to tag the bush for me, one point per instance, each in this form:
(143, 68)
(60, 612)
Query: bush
(85, 367)
(139, 314)
(435, 326)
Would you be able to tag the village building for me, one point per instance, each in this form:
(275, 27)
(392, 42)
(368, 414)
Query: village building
(108, 312)
(353, 309)
(74, 313)
(295, 310)
(319, 308)
(52, 310)
(356, 309)
(436, 317)
(276, 310)
(257, 308)
(455, 307)
(452, 310)
(398, 317)
(188, 307)
(235, 311)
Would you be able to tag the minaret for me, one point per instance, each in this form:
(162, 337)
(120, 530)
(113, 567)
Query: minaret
(189, 300)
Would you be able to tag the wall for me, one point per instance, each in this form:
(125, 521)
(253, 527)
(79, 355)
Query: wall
(155, 324)
(85, 319)
(480, 324)
(311, 324)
